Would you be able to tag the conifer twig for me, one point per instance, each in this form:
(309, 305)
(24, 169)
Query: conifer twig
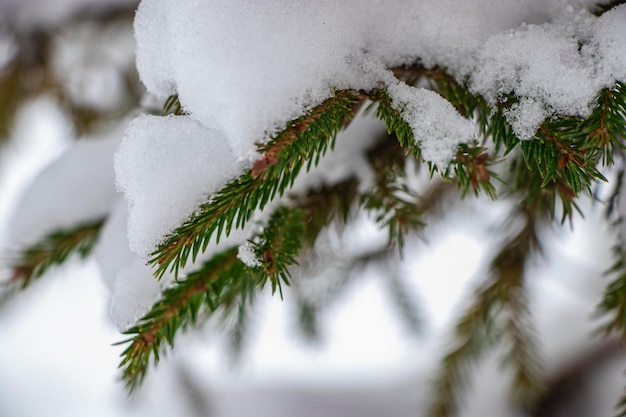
(54, 249)
(499, 310)
(212, 286)
(225, 283)
(299, 145)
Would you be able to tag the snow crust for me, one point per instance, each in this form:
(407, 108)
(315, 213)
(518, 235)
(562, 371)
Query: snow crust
(243, 69)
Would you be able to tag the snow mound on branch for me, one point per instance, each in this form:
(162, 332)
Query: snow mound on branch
(437, 126)
(248, 67)
(610, 40)
(166, 167)
(76, 188)
(243, 69)
(553, 67)
(133, 288)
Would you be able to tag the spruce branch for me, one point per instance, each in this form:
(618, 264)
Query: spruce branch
(172, 106)
(471, 163)
(613, 301)
(499, 311)
(472, 170)
(568, 148)
(325, 205)
(601, 8)
(215, 285)
(606, 127)
(278, 246)
(225, 284)
(393, 203)
(240, 318)
(537, 197)
(300, 144)
(54, 249)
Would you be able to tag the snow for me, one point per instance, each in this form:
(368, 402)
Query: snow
(243, 69)
(166, 167)
(437, 126)
(40, 133)
(246, 254)
(132, 287)
(609, 34)
(136, 290)
(75, 188)
(154, 59)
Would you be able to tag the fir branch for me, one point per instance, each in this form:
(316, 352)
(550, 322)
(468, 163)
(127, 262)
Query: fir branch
(324, 205)
(172, 106)
(469, 105)
(393, 203)
(601, 8)
(501, 132)
(215, 285)
(527, 184)
(561, 150)
(300, 144)
(481, 326)
(471, 169)
(472, 162)
(225, 283)
(613, 301)
(239, 313)
(393, 120)
(474, 332)
(405, 304)
(277, 247)
(606, 126)
(54, 249)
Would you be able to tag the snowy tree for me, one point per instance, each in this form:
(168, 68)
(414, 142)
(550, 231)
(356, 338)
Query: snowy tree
(272, 134)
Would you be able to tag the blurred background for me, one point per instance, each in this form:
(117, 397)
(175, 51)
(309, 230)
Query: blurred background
(67, 74)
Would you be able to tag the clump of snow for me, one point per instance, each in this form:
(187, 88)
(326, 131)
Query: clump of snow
(154, 46)
(112, 252)
(610, 41)
(243, 69)
(250, 81)
(437, 126)
(247, 255)
(76, 188)
(166, 167)
(550, 65)
(525, 117)
(135, 291)
(133, 288)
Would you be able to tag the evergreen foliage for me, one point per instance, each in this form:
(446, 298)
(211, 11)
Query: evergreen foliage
(565, 159)
(299, 145)
(54, 249)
